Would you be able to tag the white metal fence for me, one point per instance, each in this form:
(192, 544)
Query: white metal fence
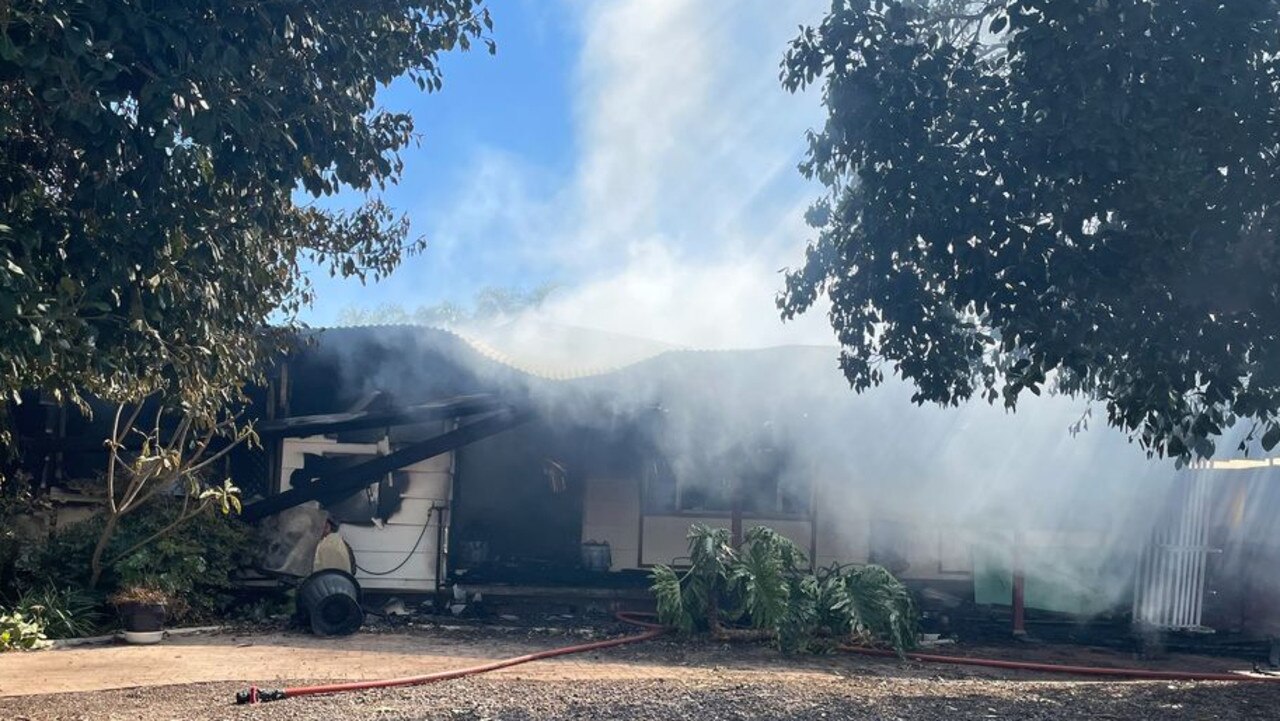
(1169, 584)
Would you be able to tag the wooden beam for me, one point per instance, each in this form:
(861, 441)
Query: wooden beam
(349, 480)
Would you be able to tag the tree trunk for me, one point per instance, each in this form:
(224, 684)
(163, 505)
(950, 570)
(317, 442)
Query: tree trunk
(95, 564)
(713, 614)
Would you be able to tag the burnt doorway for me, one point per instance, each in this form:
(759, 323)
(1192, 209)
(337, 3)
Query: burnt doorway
(518, 506)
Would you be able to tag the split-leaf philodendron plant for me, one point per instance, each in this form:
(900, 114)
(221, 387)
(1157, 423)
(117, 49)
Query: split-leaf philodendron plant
(763, 589)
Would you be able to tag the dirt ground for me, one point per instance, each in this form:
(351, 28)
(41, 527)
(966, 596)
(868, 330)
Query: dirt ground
(197, 677)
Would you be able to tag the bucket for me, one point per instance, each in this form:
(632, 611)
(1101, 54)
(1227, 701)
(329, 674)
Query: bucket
(330, 601)
(596, 556)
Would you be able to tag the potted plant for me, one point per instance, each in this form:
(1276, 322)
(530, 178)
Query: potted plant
(142, 608)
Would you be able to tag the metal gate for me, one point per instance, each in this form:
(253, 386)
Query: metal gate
(1169, 585)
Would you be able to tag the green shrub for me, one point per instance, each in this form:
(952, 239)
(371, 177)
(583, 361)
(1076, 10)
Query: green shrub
(64, 612)
(16, 501)
(764, 584)
(265, 607)
(61, 560)
(20, 632)
(193, 563)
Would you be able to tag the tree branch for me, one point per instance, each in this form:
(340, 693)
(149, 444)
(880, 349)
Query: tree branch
(970, 16)
(181, 519)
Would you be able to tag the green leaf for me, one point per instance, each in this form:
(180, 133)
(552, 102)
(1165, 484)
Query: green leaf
(199, 204)
(1271, 437)
(998, 223)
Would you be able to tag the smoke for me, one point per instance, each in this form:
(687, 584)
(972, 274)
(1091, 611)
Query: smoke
(683, 202)
(683, 206)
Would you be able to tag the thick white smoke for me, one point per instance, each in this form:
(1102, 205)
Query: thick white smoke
(683, 206)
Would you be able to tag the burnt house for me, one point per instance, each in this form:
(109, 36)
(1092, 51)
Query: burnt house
(586, 441)
(539, 457)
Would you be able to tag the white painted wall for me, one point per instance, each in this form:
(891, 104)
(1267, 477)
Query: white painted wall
(666, 537)
(381, 549)
(612, 513)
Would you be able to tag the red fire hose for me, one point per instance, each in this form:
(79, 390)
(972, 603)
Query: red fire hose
(652, 630)
(1142, 674)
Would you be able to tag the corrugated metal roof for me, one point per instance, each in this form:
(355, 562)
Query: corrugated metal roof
(560, 352)
(550, 351)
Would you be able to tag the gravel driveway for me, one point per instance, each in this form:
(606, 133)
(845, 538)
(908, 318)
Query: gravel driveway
(664, 679)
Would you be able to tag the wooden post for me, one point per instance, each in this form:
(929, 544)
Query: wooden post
(735, 511)
(813, 526)
(1018, 601)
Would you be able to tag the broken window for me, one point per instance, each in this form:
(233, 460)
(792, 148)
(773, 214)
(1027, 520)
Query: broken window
(761, 477)
(661, 492)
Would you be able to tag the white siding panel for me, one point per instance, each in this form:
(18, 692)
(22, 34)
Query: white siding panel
(611, 514)
(666, 537)
(394, 538)
(384, 548)
(431, 485)
(418, 573)
(442, 463)
(843, 539)
(401, 585)
(413, 511)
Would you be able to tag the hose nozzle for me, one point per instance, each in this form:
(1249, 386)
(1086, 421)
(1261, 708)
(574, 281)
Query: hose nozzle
(254, 695)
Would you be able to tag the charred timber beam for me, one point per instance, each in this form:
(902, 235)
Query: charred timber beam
(349, 480)
(297, 426)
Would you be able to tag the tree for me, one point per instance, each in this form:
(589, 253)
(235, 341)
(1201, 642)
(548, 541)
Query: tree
(1075, 193)
(146, 462)
(158, 172)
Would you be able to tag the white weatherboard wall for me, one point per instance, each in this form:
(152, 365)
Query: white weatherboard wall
(932, 550)
(381, 549)
(612, 513)
(666, 537)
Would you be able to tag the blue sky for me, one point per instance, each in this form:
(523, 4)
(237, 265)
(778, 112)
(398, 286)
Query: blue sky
(641, 153)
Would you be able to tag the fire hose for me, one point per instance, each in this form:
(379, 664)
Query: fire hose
(1135, 674)
(652, 630)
